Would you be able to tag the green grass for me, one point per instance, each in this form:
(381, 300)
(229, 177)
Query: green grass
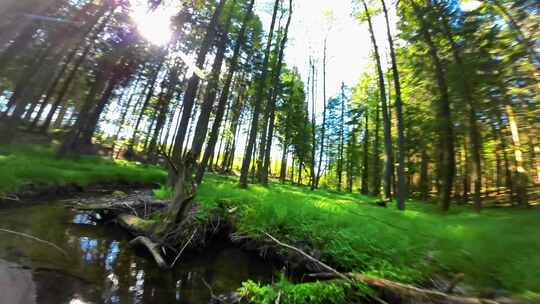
(25, 164)
(497, 249)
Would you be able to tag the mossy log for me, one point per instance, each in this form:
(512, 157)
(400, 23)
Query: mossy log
(136, 225)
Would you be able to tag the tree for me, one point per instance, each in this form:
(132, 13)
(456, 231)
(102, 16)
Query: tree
(388, 161)
(246, 162)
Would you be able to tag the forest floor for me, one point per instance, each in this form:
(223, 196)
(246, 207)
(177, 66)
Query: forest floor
(496, 250)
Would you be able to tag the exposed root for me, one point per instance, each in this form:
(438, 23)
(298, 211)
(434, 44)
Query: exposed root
(153, 248)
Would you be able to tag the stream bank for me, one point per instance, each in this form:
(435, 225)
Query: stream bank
(102, 268)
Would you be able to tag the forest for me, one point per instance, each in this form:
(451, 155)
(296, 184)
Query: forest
(173, 151)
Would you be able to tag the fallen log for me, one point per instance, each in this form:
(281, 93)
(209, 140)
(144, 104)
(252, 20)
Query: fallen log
(413, 294)
(153, 248)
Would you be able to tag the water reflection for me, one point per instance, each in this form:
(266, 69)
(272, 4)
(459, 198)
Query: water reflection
(102, 268)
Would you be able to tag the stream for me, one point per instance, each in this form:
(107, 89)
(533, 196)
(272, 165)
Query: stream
(100, 267)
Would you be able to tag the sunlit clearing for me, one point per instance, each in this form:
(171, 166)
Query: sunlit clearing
(469, 5)
(153, 24)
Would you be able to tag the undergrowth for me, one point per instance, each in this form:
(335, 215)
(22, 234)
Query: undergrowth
(497, 250)
(25, 164)
(289, 293)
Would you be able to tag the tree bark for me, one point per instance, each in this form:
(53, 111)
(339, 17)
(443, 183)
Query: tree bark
(401, 189)
(193, 84)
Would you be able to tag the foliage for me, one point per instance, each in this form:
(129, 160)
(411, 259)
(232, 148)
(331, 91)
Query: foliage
(289, 293)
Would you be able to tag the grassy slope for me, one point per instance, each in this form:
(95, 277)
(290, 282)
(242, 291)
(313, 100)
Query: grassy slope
(497, 249)
(22, 165)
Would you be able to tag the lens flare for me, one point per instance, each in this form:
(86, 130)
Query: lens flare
(154, 24)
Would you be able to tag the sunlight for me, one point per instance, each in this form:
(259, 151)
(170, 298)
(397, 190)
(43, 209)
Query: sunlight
(154, 25)
(470, 5)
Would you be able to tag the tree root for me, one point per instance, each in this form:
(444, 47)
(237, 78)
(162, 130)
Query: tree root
(153, 248)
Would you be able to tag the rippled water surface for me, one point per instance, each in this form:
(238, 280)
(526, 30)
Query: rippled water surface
(101, 268)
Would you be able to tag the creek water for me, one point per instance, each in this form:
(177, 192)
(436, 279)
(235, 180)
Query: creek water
(100, 267)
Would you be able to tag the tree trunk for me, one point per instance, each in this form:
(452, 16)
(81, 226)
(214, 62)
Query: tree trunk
(149, 94)
(447, 167)
(341, 138)
(364, 189)
(376, 187)
(520, 179)
(401, 190)
(283, 169)
(246, 162)
(424, 177)
(323, 126)
(210, 96)
(467, 94)
(193, 84)
(276, 91)
(225, 96)
(388, 160)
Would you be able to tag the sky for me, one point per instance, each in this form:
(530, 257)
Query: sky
(348, 41)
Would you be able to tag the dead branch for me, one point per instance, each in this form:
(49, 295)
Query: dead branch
(169, 160)
(309, 257)
(28, 236)
(183, 248)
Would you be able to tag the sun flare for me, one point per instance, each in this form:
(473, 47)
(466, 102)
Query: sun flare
(153, 24)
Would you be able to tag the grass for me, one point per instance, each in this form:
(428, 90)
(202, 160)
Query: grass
(31, 164)
(497, 250)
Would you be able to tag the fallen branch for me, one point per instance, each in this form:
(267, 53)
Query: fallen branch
(154, 249)
(309, 257)
(183, 248)
(28, 236)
